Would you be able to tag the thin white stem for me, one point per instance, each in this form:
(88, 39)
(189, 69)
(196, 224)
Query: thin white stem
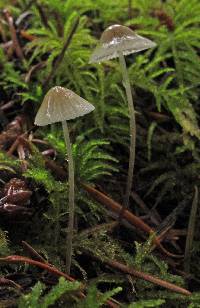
(132, 122)
(70, 227)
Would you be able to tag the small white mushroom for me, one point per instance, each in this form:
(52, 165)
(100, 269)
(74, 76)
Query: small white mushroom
(115, 42)
(60, 105)
(119, 39)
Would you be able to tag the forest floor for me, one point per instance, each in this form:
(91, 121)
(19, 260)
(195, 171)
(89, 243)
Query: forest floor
(148, 254)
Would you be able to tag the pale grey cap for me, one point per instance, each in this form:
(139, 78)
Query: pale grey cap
(60, 104)
(117, 39)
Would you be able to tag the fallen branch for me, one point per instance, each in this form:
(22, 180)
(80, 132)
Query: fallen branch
(46, 266)
(129, 270)
(141, 275)
(127, 215)
(50, 268)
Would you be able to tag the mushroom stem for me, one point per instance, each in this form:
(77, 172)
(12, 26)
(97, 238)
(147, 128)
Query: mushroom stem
(70, 227)
(132, 124)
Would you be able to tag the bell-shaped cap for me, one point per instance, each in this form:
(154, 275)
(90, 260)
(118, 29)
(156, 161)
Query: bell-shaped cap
(117, 39)
(61, 104)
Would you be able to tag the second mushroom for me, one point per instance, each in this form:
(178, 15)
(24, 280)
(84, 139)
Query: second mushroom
(115, 42)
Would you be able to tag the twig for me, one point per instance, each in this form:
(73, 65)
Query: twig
(190, 234)
(128, 270)
(98, 228)
(45, 266)
(153, 216)
(48, 152)
(15, 144)
(175, 234)
(38, 257)
(58, 170)
(7, 105)
(5, 281)
(136, 221)
(169, 221)
(23, 17)
(159, 117)
(34, 68)
(141, 275)
(35, 140)
(116, 207)
(51, 269)
(33, 252)
(59, 59)
(7, 45)
(16, 44)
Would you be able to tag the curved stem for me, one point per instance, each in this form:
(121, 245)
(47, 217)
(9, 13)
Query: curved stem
(70, 227)
(132, 130)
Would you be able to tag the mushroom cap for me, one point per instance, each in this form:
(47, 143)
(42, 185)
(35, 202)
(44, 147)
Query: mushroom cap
(117, 39)
(60, 104)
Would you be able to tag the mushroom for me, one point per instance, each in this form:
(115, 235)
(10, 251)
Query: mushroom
(115, 42)
(61, 105)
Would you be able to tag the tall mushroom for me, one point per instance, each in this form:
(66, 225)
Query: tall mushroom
(61, 105)
(115, 42)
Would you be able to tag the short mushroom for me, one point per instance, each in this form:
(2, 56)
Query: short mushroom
(115, 42)
(61, 105)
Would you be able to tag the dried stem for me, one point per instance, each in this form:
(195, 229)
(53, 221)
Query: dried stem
(7, 105)
(15, 144)
(141, 275)
(59, 59)
(153, 215)
(57, 169)
(11, 283)
(105, 227)
(33, 252)
(190, 234)
(127, 215)
(15, 41)
(128, 270)
(48, 267)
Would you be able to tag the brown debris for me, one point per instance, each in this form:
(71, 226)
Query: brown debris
(11, 132)
(13, 33)
(127, 215)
